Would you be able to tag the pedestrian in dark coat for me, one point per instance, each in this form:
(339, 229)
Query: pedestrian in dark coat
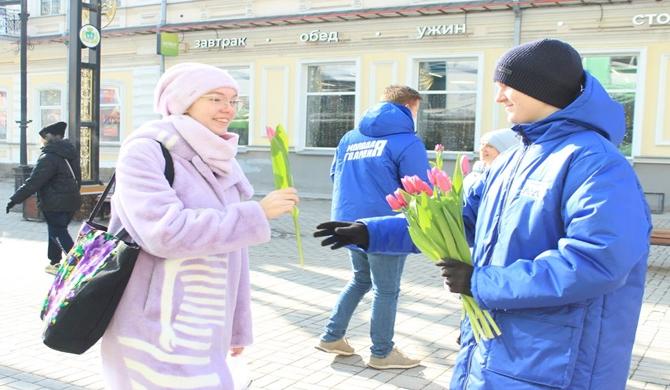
(55, 179)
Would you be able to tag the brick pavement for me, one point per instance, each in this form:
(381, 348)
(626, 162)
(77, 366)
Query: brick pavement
(291, 305)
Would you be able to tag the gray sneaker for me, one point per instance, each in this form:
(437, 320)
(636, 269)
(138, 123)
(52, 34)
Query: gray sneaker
(52, 268)
(395, 359)
(340, 347)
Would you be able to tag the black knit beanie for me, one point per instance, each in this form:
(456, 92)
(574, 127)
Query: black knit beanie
(549, 70)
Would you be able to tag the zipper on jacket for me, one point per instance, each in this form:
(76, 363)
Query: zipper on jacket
(472, 355)
(496, 228)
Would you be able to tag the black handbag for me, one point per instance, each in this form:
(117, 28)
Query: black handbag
(90, 281)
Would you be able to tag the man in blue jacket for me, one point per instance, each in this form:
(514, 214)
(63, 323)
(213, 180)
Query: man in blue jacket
(560, 231)
(368, 164)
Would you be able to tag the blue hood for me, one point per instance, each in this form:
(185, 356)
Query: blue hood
(593, 109)
(385, 119)
(370, 160)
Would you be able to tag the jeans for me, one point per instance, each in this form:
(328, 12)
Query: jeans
(59, 238)
(381, 273)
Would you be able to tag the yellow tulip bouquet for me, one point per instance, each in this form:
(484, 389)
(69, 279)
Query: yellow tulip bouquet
(282, 174)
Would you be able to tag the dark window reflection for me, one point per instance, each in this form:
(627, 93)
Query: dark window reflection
(240, 124)
(110, 115)
(447, 114)
(50, 106)
(3, 115)
(628, 102)
(331, 78)
(618, 74)
(331, 103)
(328, 118)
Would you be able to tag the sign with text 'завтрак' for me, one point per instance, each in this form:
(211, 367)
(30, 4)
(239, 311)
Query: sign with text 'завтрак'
(222, 43)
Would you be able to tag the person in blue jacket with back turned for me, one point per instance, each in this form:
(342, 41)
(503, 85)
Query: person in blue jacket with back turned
(369, 162)
(560, 231)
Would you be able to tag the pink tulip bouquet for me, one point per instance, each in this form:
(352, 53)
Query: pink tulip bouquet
(435, 217)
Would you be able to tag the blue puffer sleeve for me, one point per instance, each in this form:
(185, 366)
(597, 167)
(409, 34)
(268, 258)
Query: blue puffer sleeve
(389, 235)
(332, 166)
(414, 160)
(607, 226)
(471, 202)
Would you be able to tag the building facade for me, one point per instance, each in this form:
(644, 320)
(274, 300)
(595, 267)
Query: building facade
(316, 66)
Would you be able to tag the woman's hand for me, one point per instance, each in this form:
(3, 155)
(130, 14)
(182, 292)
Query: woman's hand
(279, 202)
(236, 351)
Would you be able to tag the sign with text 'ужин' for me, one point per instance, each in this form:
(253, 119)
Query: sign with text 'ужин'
(443, 29)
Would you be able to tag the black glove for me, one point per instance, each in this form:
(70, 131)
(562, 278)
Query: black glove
(9, 206)
(340, 234)
(457, 275)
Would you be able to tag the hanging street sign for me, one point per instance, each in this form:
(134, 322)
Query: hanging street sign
(89, 36)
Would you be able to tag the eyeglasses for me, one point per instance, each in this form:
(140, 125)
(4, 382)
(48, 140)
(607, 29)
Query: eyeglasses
(220, 102)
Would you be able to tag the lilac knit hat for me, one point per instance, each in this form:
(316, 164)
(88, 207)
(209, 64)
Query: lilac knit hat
(183, 83)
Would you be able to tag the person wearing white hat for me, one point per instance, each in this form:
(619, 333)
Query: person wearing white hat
(496, 142)
(492, 144)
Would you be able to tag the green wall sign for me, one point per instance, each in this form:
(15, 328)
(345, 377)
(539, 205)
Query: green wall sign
(168, 44)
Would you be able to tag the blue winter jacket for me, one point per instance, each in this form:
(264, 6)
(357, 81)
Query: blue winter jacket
(561, 239)
(371, 159)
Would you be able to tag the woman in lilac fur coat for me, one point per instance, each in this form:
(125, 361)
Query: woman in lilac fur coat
(187, 305)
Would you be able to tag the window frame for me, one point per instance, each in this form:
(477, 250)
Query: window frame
(639, 90)
(478, 57)
(663, 98)
(33, 135)
(250, 97)
(120, 97)
(60, 10)
(301, 113)
(7, 116)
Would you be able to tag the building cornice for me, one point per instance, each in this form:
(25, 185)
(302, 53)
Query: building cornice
(450, 8)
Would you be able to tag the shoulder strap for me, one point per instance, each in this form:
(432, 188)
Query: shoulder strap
(71, 171)
(168, 172)
(169, 164)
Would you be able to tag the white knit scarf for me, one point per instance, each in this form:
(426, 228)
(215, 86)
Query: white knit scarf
(218, 152)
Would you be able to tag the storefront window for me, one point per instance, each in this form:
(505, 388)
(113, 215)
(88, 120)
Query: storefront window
(49, 7)
(618, 74)
(110, 115)
(3, 115)
(51, 109)
(331, 102)
(447, 113)
(240, 124)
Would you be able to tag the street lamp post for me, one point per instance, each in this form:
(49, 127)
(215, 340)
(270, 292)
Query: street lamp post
(84, 85)
(22, 172)
(23, 123)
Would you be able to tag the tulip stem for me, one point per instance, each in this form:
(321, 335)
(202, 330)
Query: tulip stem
(298, 237)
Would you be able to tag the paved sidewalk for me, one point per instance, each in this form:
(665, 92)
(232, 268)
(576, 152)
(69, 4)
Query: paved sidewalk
(291, 305)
